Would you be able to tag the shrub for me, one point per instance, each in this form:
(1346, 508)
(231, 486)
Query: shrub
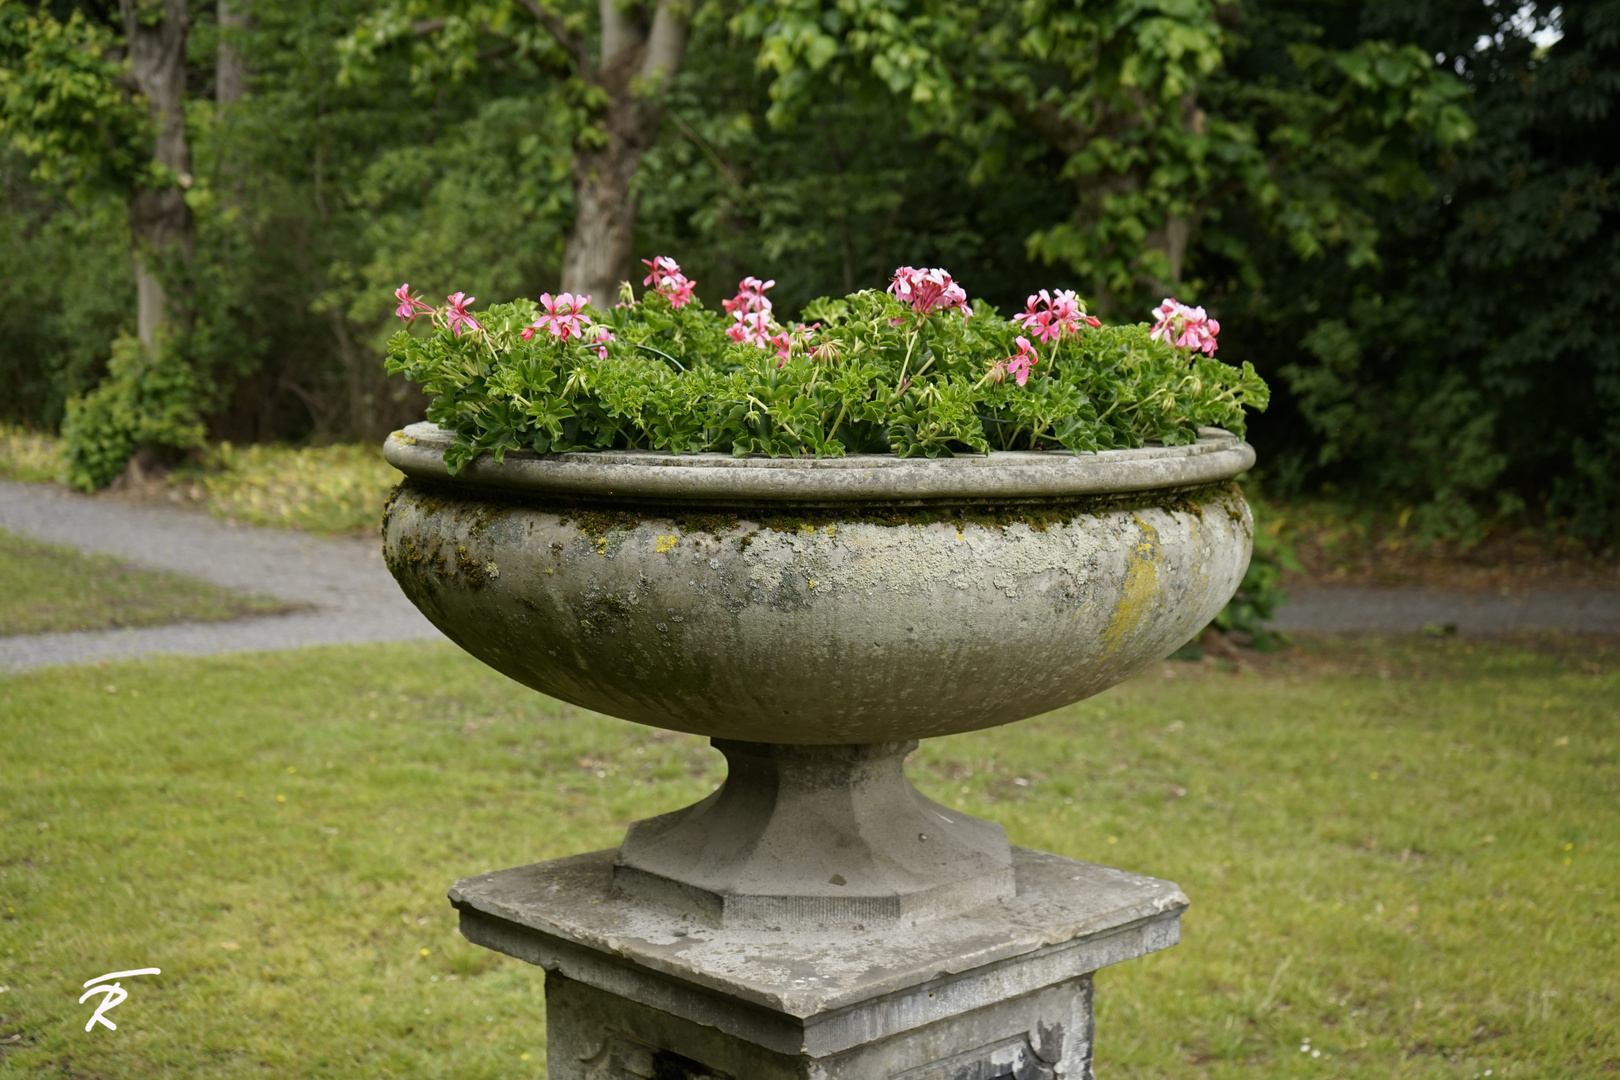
(151, 398)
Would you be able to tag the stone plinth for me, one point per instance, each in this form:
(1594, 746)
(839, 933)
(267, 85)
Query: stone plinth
(1001, 990)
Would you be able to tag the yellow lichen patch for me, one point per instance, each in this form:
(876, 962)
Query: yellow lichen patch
(667, 543)
(1141, 586)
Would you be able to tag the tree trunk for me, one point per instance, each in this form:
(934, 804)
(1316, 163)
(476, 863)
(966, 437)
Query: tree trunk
(230, 70)
(160, 222)
(1173, 237)
(637, 63)
(600, 246)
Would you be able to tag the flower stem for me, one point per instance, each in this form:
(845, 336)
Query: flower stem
(665, 355)
(843, 407)
(911, 343)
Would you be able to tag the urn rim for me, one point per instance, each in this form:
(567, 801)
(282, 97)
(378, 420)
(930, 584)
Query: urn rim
(1005, 476)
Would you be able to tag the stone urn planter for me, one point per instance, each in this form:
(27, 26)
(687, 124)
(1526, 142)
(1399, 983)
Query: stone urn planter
(815, 618)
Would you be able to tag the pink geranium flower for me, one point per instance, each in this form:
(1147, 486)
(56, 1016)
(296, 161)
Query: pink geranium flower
(409, 306)
(563, 317)
(677, 288)
(1020, 363)
(457, 316)
(603, 336)
(1185, 327)
(753, 327)
(750, 297)
(665, 277)
(1050, 317)
(659, 267)
(928, 291)
(796, 336)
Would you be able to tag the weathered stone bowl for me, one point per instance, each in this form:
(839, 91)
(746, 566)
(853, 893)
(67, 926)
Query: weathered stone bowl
(845, 600)
(852, 604)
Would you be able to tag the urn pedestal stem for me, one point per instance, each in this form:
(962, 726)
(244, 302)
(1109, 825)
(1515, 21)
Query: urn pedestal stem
(831, 836)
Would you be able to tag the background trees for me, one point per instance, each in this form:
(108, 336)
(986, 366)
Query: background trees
(1404, 214)
(1469, 371)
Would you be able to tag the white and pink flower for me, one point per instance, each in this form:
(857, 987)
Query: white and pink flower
(752, 327)
(1185, 327)
(1050, 317)
(564, 316)
(928, 291)
(750, 297)
(665, 277)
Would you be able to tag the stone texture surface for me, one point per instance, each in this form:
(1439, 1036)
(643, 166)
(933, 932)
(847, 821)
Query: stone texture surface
(723, 480)
(1001, 990)
(1042, 1035)
(829, 835)
(813, 989)
(836, 629)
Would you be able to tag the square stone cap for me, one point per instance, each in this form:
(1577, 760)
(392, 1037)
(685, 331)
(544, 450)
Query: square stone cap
(804, 971)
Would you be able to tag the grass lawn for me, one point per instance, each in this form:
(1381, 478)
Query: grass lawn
(49, 588)
(1404, 852)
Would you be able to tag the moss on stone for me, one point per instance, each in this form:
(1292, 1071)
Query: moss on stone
(599, 521)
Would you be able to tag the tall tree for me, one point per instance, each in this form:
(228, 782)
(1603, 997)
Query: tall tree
(1156, 139)
(99, 112)
(230, 66)
(161, 226)
(638, 57)
(1468, 373)
(620, 64)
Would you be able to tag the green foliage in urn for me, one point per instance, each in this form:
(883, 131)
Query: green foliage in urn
(915, 371)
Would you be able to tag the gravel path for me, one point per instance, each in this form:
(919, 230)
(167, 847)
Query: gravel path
(350, 595)
(1346, 608)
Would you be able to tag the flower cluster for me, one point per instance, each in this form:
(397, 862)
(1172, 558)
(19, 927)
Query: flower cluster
(410, 306)
(753, 323)
(750, 312)
(1022, 362)
(665, 278)
(906, 372)
(565, 318)
(456, 315)
(1184, 327)
(928, 291)
(750, 297)
(1049, 317)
